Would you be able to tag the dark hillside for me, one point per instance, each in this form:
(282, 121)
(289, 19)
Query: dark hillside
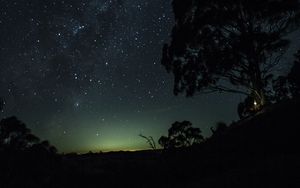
(260, 151)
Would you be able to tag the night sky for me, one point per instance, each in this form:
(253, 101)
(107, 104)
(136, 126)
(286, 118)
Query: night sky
(86, 74)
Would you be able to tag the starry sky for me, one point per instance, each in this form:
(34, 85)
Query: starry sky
(86, 74)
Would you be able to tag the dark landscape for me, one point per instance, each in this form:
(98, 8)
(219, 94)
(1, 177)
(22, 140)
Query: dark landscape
(255, 152)
(84, 76)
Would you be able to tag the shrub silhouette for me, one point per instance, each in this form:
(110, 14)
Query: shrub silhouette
(219, 129)
(149, 140)
(181, 134)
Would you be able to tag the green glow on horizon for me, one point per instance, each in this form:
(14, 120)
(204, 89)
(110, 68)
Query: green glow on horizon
(83, 131)
(110, 136)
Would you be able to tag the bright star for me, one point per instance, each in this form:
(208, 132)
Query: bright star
(76, 104)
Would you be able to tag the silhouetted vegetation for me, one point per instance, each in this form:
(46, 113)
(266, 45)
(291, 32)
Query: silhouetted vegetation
(220, 128)
(24, 160)
(294, 77)
(229, 46)
(254, 152)
(181, 134)
(15, 136)
(150, 141)
(2, 103)
(287, 87)
(248, 107)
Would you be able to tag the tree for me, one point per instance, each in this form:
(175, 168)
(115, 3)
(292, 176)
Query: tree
(15, 136)
(229, 45)
(47, 147)
(248, 107)
(294, 76)
(282, 89)
(2, 103)
(181, 134)
(286, 87)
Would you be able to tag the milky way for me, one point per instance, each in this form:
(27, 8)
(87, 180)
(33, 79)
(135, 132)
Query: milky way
(86, 74)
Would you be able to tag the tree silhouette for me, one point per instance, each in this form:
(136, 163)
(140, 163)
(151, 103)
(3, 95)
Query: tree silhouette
(294, 76)
(181, 134)
(47, 147)
(15, 136)
(219, 129)
(2, 103)
(248, 107)
(286, 87)
(282, 88)
(229, 46)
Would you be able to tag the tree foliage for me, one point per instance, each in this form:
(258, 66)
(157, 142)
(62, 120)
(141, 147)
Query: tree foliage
(294, 76)
(15, 136)
(286, 87)
(2, 103)
(181, 134)
(229, 45)
(220, 128)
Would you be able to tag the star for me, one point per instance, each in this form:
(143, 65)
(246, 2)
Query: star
(76, 104)
(92, 65)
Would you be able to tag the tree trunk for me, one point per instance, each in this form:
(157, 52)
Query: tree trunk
(258, 87)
